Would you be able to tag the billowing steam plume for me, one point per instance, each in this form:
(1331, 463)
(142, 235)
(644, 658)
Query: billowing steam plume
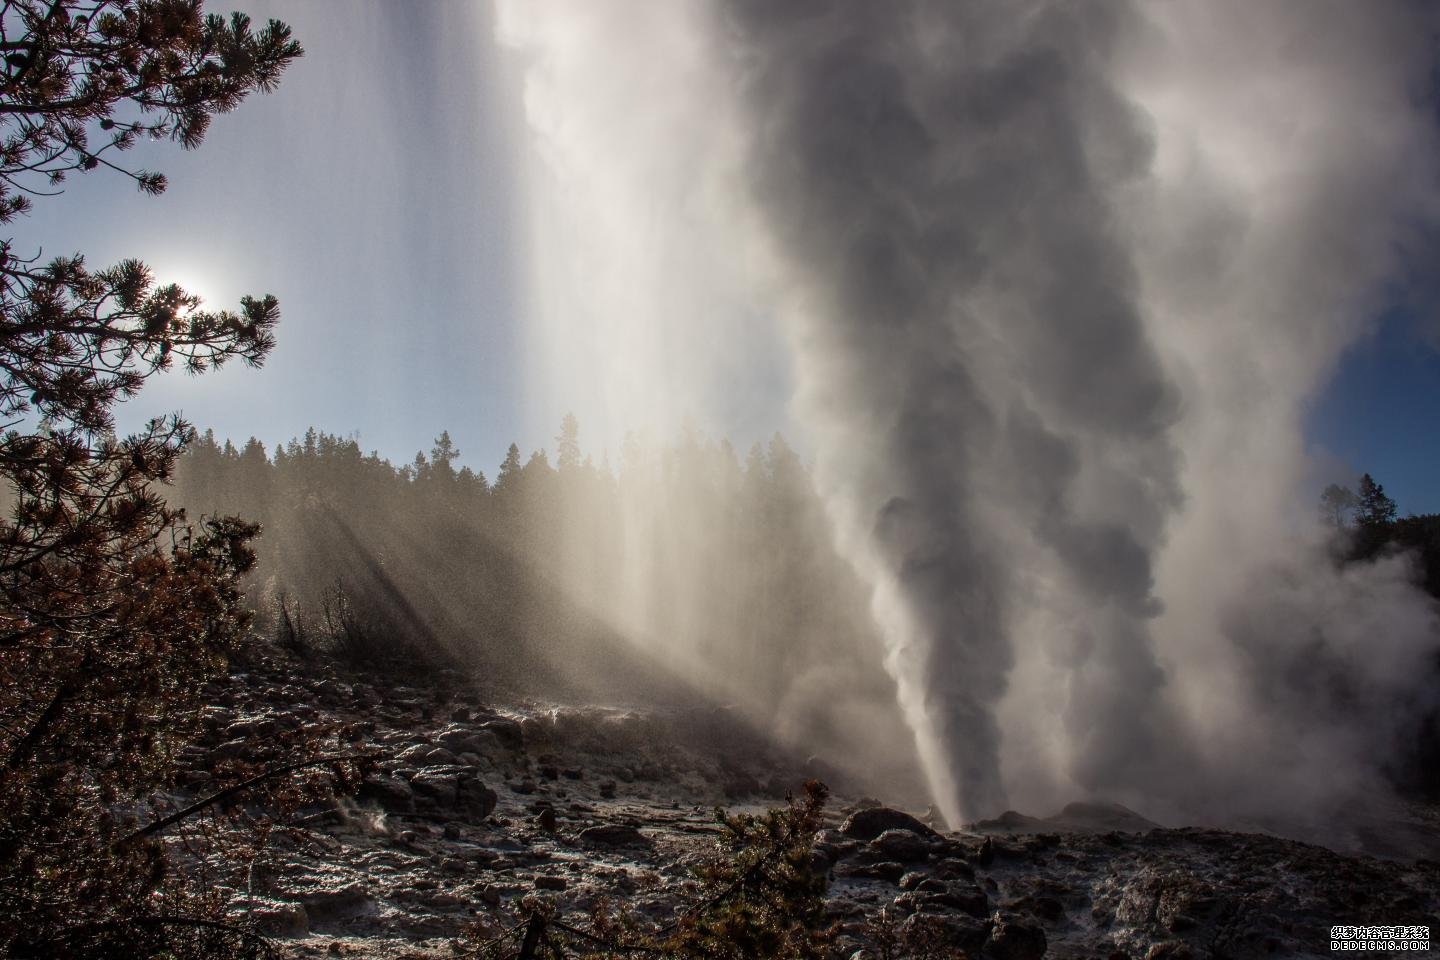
(1058, 279)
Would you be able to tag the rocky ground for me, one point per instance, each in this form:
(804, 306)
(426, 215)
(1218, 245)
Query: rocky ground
(479, 802)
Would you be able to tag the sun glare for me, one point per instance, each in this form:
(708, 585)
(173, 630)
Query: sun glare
(191, 278)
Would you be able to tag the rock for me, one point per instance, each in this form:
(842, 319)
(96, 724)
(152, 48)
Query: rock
(986, 856)
(901, 845)
(417, 926)
(275, 918)
(868, 824)
(1170, 950)
(441, 757)
(389, 793)
(463, 739)
(509, 732)
(1014, 939)
(435, 787)
(952, 867)
(549, 771)
(417, 755)
(967, 899)
(452, 788)
(546, 819)
(336, 903)
(887, 870)
(573, 773)
(475, 799)
(546, 882)
(257, 728)
(964, 933)
(1102, 818)
(607, 790)
(612, 835)
(1010, 821)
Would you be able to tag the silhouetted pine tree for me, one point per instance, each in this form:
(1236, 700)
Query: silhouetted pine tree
(1373, 508)
(111, 612)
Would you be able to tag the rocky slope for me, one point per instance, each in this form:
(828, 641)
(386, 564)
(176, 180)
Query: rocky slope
(478, 802)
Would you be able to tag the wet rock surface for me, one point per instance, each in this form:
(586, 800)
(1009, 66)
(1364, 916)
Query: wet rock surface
(478, 802)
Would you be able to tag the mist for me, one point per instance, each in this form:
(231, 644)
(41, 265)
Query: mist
(889, 479)
(1053, 286)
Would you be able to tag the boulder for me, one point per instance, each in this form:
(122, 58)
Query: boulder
(866, 825)
(1099, 817)
(887, 870)
(435, 787)
(961, 932)
(969, 899)
(901, 845)
(473, 798)
(424, 755)
(454, 789)
(509, 732)
(1014, 939)
(275, 918)
(612, 835)
(336, 903)
(389, 793)
(465, 739)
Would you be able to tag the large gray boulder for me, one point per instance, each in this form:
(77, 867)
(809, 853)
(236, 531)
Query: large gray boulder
(866, 825)
(906, 846)
(389, 793)
(612, 835)
(453, 790)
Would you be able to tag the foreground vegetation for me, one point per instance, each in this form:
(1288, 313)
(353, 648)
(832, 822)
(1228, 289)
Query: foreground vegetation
(113, 608)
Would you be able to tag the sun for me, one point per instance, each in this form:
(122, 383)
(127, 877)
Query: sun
(186, 277)
(191, 277)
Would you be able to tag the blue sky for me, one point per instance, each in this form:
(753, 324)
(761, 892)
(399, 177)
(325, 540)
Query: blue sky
(1381, 412)
(372, 194)
(376, 194)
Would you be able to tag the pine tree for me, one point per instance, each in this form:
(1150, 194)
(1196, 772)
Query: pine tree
(568, 443)
(111, 611)
(507, 481)
(442, 458)
(1373, 509)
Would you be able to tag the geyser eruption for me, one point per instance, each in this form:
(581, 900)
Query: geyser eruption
(1058, 280)
(943, 178)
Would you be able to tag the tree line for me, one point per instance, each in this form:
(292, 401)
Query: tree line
(1367, 523)
(682, 557)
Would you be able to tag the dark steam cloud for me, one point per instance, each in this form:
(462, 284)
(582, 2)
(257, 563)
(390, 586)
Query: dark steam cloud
(938, 176)
(1059, 279)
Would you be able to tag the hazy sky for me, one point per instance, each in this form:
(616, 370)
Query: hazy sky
(372, 194)
(376, 194)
